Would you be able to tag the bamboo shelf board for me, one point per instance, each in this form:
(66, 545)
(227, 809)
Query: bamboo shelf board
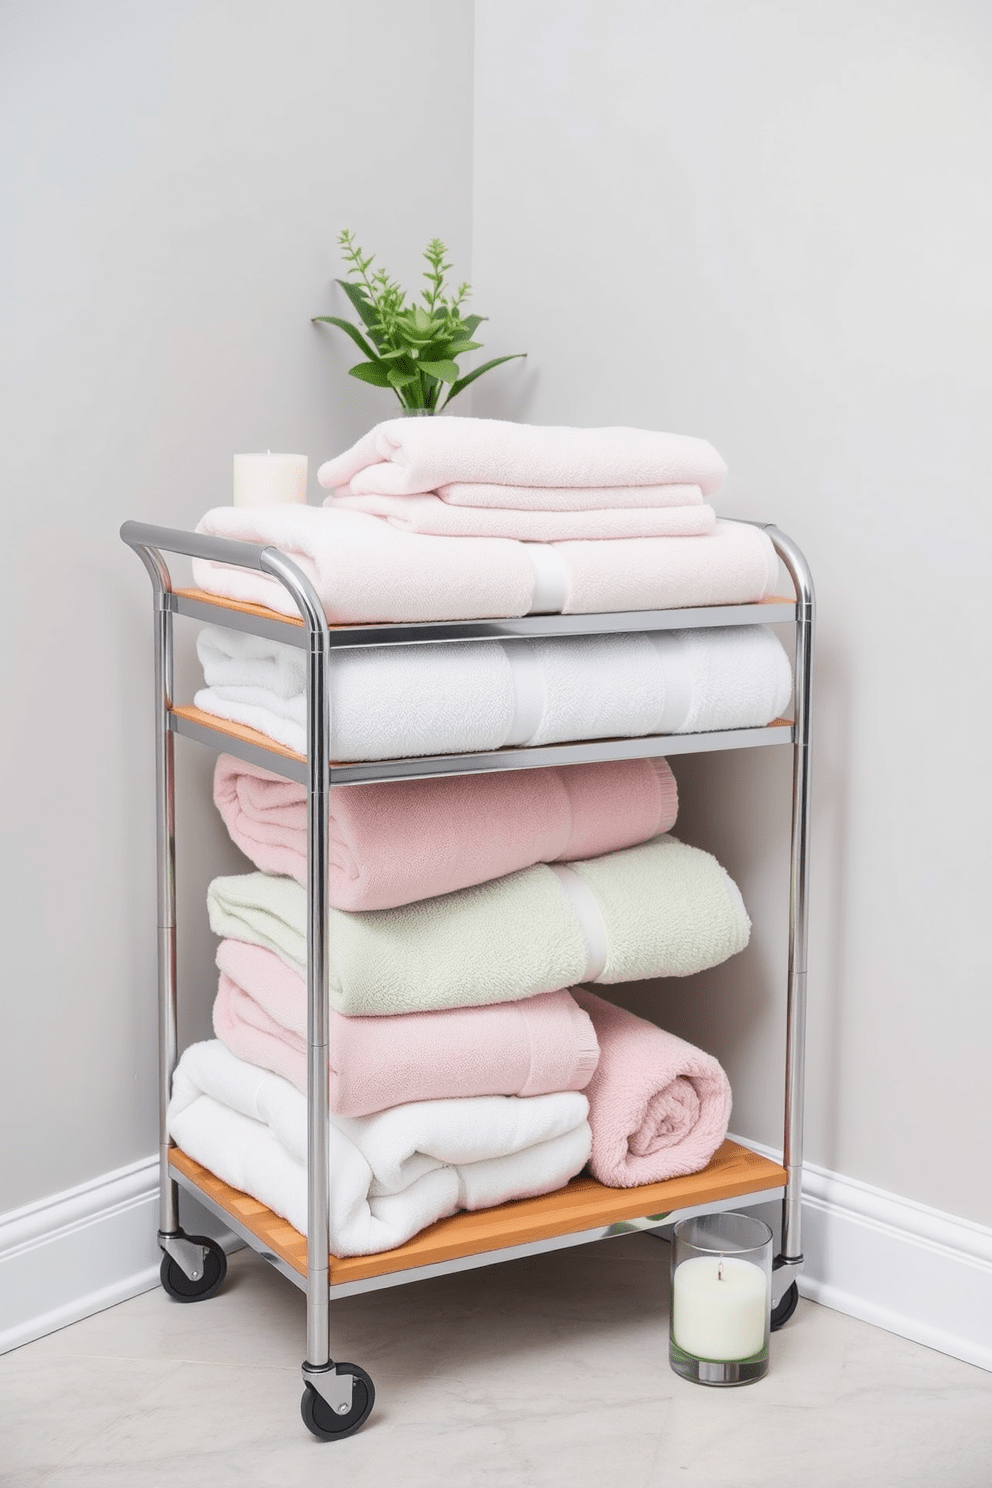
(264, 613)
(222, 603)
(237, 731)
(583, 1205)
(247, 735)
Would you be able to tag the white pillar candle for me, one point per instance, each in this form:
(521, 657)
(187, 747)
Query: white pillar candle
(264, 480)
(719, 1307)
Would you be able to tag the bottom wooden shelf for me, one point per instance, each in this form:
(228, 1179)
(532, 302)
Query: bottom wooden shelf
(584, 1204)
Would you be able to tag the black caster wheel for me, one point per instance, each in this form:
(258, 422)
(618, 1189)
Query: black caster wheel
(325, 1423)
(177, 1283)
(783, 1312)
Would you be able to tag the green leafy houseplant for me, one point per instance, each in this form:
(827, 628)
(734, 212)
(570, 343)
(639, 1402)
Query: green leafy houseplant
(411, 348)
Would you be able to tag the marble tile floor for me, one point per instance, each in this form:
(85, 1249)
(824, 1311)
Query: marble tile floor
(546, 1372)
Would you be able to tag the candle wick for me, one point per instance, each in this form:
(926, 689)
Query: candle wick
(719, 1272)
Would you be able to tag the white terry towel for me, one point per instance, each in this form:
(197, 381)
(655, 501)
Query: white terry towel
(365, 570)
(402, 457)
(390, 1174)
(439, 699)
(430, 513)
(661, 909)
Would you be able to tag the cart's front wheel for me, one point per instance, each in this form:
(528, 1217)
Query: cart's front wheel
(786, 1307)
(324, 1422)
(178, 1284)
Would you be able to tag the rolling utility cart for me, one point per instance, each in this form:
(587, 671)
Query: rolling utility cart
(338, 1397)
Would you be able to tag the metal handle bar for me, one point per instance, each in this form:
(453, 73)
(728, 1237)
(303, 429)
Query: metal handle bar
(199, 545)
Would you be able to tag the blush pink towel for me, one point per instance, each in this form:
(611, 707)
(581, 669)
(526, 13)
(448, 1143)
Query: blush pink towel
(532, 1047)
(364, 570)
(430, 513)
(658, 1107)
(403, 457)
(396, 843)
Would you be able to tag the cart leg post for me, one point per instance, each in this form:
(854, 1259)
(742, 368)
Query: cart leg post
(789, 1263)
(165, 857)
(318, 1238)
(193, 1266)
(337, 1397)
(165, 832)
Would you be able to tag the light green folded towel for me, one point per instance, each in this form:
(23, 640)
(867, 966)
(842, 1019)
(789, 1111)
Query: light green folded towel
(658, 910)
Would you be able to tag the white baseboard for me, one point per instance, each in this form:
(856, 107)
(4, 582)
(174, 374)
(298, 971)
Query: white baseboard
(886, 1260)
(912, 1270)
(78, 1252)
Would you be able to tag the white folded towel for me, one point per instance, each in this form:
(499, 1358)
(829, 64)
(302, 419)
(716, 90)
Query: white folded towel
(402, 457)
(658, 910)
(431, 514)
(390, 1174)
(391, 702)
(366, 570)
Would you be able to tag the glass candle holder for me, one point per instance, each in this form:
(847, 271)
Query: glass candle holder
(721, 1299)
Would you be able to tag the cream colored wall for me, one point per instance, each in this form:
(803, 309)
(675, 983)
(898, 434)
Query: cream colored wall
(174, 180)
(771, 224)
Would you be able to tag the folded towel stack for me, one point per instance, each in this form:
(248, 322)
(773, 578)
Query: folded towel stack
(656, 1106)
(480, 695)
(459, 519)
(414, 839)
(462, 1071)
(661, 909)
(466, 1067)
(488, 463)
(484, 478)
(365, 570)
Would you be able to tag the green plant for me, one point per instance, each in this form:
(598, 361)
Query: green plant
(414, 347)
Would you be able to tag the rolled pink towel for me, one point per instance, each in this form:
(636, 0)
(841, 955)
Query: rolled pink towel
(414, 839)
(532, 1047)
(658, 1107)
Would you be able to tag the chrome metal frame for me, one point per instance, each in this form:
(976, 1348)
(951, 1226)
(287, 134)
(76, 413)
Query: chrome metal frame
(795, 1036)
(529, 757)
(147, 542)
(319, 774)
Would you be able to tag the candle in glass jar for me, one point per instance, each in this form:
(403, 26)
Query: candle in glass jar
(719, 1307)
(266, 480)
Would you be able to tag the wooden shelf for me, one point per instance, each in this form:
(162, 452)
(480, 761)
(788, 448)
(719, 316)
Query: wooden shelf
(242, 734)
(239, 731)
(584, 1204)
(261, 612)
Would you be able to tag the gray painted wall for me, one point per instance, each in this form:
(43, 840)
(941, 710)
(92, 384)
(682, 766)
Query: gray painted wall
(770, 224)
(174, 180)
(764, 223)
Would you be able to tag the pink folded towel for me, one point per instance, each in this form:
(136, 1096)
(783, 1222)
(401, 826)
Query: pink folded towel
(366, 570)
(431, 514)
(533, 1047)
(403, 457)
(414, 839)
(566, 498)
(658, 1107)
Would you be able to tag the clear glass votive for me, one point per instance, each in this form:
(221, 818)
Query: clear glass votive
(720, 1299)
